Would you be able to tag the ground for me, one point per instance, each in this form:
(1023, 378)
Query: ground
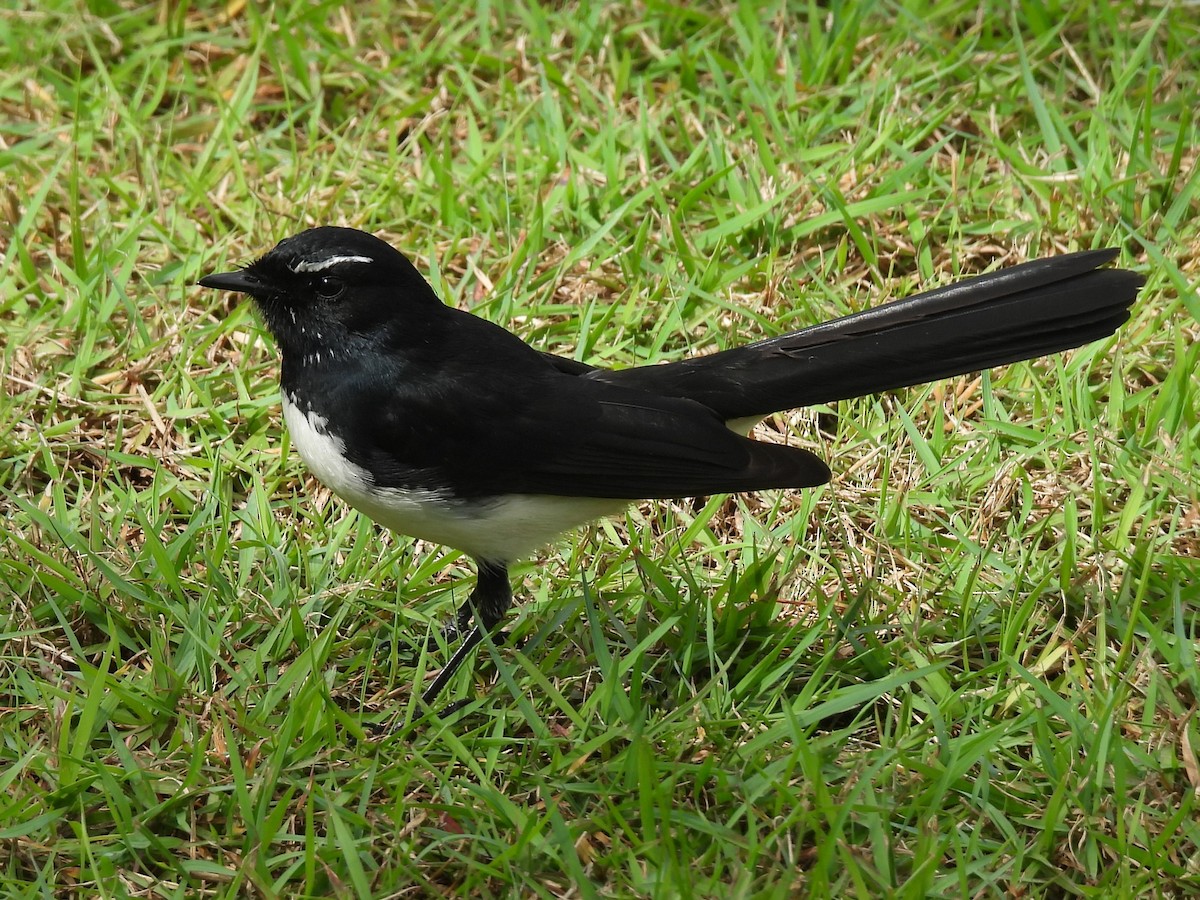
(966, 667)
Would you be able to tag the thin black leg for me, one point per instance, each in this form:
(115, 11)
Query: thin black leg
(488, 603)
(456, 627)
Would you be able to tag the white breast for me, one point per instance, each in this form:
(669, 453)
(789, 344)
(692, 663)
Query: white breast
(503, 528)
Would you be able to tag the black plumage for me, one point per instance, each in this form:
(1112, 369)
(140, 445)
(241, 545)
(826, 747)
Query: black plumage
(445, 426)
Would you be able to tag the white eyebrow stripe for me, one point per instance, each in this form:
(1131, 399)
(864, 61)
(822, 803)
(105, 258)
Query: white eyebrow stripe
(322, 264)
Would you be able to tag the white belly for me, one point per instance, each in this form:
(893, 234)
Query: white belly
(499, 529)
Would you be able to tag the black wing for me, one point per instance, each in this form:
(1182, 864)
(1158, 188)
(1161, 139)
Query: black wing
(528, 427)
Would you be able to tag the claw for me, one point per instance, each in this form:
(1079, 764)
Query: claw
(487, 603)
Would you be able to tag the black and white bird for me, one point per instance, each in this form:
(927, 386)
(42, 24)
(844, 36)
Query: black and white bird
(440, 425)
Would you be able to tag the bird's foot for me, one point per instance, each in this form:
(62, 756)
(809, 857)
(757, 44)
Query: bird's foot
(453, 631)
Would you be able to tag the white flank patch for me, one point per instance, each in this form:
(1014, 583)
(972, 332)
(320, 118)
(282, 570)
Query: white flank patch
(502, 529)
(322, 264)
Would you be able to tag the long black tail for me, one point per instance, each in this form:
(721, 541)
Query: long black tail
(1014, 314)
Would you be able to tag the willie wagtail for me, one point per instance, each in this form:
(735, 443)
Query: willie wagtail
(440, 425)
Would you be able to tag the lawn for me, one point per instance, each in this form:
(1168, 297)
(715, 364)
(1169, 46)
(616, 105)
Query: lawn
(965, 668)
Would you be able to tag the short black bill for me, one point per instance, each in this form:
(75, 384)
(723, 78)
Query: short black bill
(240, 281)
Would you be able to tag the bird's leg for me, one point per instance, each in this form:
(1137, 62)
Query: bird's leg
(456, 627)
(488, 603)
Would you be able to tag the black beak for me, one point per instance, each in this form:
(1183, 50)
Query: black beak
(240, 281)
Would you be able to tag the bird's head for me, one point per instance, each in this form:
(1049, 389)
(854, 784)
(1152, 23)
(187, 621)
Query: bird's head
(329, 288)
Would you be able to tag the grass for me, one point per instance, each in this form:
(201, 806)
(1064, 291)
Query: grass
(967, 667)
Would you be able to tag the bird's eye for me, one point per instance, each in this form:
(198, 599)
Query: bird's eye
(330, 288)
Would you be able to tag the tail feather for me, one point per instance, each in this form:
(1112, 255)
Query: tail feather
(1003, 317)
